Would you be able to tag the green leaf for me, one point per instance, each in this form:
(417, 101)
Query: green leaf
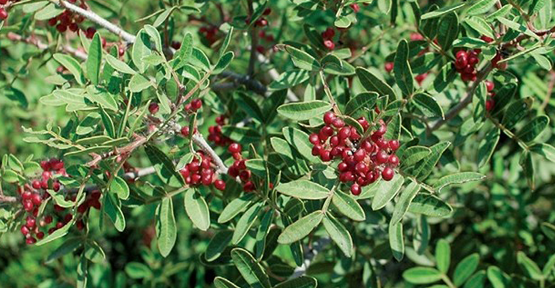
(457, 178)
(528, 168)
(251, 270)
(487, 146)
(348, 206)
(549, 230)
(197, 209)
(59, 233)
(443, 256)
(241, 134)
(217, 245)
(529, 266)
(544, 149)
(163, 16)
(533, 129)
(361, 104)
(300, 282)
(299, 140)
(403, 204)
(335, 66)
(414, 154)
(498, 278)
(427, 105)
(303, 110)
(422, 275)
(186, 50)
(235, 207)
(401, 69)
(245, 223)
(94, 59)
(112, 207)
(442, 11)
(262, 233)
(448, 30)
(480, 25)
(199, 59)
(481, 7)
(71, 65)
(68, 246)
(303, 189)
(223, 62)
(386, 191)
(119, 186)
(396, 241)
(166, 230)
(372, 83)
(476, 281)
(220, 282)
(549, 265)
(48, 12)
(430, 206)
(225, 43)
(289, 79)
(427, 165)
(137, 270)
(141, 48)
(338, 234)
(164, 167)
(301, 228)
(119, 65)
(302, 60)
(139, 83)
(17, 95)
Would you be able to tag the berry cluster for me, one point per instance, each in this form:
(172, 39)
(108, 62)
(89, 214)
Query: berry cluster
(199, 171)
(239, 168)
(490, 103)
(3, 12)
(68, 20)
(193, 106)
(328, 38)
(364, 160)
(465, 64)
(210, 33)
(262, 23)
(215, 132)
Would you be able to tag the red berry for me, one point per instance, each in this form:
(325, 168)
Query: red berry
(355, 189)
(329, 44)
(267, 12)
(245, 175)
(355, 7)
(338, 123)
(27, 195)
(37, 199)
(344, 133)
(219, 184)
(40, 235)
(196, 104)
(388, 67)
(382, 157)
(360, 154)
(36, 184)
(61, 28)
(314, 139)
(361, 168)
(387, 174)
(185, 130)
(325, 155)
(153, 108)
(3, 14)
(48, 219)
(461, 54)
(248, 187)
(342, 167)
(24, 230)
(393, 160)
(329, 117)
(394, 145)
(28, 206)
(490, 104)
(30, 222)
(176, 45)
(490, 86)
(486, 39)
(31, 241)
(234, 148)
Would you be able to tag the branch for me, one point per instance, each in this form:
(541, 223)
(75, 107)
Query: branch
(204, 146)
(98, 20)
(254, 41)
(274, 74)
(7, 199)
(41, 46)
(309, 256)
(467, 100)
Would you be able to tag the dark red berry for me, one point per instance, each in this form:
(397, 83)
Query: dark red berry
(329, 117)
(234, 148)
(387, 174)
(24, 230)
(355, 189)
(219, 184)
(153, 108)
(31, 241)
(3, 14)
(196, 104)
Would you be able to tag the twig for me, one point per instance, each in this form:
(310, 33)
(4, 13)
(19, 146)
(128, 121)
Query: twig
(467, 100)
(238, 79)
(310, 255)
(204, 146)
(254, 41)
(274, 74)
(7, 199)
(41, 46)
(98, 20)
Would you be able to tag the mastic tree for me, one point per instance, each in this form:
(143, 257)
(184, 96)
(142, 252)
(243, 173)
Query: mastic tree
(277, 143)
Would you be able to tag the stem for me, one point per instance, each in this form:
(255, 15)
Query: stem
(447, 281)
(254, 41)
(467, 100)
(329, 94)
(97, 19)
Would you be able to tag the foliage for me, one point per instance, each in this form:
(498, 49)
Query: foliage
(279, 143)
